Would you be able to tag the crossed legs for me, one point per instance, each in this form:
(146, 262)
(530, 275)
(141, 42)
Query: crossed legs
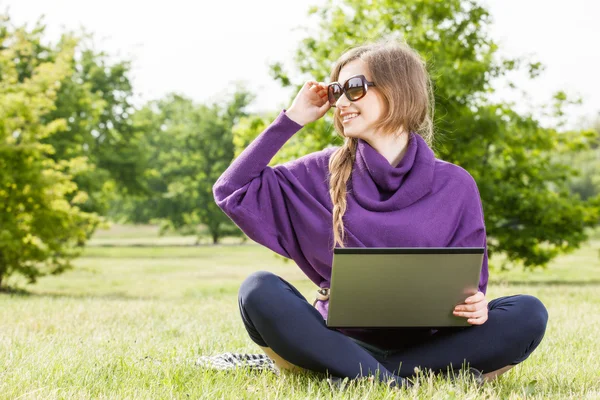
(293, 333)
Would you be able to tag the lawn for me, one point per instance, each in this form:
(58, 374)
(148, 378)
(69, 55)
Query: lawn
(130, 322)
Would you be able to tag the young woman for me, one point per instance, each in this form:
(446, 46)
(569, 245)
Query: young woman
(382, 188)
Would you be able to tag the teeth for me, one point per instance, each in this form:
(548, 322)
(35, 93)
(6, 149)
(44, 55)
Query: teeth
(347, 117)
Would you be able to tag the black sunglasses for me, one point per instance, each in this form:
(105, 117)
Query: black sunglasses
(355, 88)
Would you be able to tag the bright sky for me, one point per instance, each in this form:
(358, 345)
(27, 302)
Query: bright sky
(199, 47)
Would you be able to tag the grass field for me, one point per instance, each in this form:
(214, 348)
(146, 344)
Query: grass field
(130, 322)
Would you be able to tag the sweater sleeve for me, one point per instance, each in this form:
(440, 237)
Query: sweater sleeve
(471, 230)
(257, 197)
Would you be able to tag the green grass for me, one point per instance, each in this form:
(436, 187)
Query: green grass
(130, 322)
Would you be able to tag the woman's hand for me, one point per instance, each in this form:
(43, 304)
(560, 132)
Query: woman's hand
(475, 308)
(310, 104)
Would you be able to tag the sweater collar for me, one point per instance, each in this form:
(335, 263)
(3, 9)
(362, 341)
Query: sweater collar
(379, 186)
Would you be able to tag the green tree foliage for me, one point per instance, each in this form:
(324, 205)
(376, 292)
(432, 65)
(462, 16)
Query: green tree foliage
(531, 215)
(42, 226)
(587, 162)
(94, 100)
(187, 147)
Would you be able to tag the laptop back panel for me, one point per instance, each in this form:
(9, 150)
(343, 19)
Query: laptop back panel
(401, 287)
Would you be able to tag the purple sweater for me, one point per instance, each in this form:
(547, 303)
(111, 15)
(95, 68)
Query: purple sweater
(421, 202)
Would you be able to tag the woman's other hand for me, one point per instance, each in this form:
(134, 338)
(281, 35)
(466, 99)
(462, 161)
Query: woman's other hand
(475, 308)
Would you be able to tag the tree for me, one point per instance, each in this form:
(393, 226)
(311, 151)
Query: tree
(531, 216)
(94, 100)
(42, 227)
(188, 147)
(587, 162)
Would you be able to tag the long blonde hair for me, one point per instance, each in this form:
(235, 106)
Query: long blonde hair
(402, 79)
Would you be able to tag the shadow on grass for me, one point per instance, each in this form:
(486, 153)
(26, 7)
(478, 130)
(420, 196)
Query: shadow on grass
(14, 291)
(19, 292)
(199, 294)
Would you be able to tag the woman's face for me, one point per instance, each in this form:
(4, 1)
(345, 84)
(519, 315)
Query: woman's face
(369, 108)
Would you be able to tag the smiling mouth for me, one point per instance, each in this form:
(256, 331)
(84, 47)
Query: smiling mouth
(350, 117)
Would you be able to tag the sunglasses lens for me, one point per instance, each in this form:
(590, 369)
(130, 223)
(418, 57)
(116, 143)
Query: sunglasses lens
(334, 92)
(355, 89)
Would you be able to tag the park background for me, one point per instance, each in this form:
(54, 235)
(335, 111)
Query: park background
(118, 270)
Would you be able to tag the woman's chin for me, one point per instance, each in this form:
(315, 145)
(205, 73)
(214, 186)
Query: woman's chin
(350, 133)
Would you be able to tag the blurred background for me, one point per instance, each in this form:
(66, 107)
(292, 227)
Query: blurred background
(118, 116)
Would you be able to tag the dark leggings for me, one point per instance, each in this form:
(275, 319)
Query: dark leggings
(276, 315)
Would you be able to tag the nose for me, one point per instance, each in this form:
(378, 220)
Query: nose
(342, 101)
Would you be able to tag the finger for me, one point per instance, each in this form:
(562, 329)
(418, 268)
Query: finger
(467, 307)
(318, 86)
(317, 99)
(318, 89)
(475, 298)
(310, 85)
(472, 307)
(478, 321)
(470, 314)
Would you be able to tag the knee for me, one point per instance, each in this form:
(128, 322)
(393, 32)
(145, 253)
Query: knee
(256, 288)
(534, 314)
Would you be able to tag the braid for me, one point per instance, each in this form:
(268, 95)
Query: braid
(340, 167)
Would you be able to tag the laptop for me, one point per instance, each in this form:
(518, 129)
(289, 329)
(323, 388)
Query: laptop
(390, 287)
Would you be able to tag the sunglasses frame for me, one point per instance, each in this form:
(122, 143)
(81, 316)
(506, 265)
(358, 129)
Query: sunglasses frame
(344, 89)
